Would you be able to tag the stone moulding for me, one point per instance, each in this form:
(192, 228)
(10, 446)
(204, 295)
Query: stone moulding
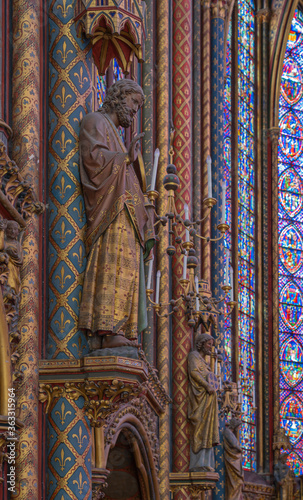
(107, 368)
(195, 482)
(258, 492)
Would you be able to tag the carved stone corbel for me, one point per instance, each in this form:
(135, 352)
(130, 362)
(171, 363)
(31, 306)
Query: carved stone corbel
(219, 8)
(115, 31)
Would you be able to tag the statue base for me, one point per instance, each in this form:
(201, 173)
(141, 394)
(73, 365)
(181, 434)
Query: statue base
(125, 351)
(194, 482)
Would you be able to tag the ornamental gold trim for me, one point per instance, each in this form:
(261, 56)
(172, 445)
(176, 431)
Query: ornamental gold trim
(101, 398)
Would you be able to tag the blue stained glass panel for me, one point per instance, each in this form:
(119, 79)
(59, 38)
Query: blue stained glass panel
(101, 89)
(246, 216)
(228, 205)
(290, 225)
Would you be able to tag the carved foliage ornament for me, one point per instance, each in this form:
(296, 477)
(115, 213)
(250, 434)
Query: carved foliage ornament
(219, 8)
(16, 194)
(101, 398)
(11, 258)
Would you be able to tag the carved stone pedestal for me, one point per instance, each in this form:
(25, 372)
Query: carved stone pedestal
(195, 483)
(122, 399)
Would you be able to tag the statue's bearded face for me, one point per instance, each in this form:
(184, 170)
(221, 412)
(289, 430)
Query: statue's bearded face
(127, 109)
(12, 230)
(206, 346)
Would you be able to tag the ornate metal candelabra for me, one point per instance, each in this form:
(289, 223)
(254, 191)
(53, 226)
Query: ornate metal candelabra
(199, 303)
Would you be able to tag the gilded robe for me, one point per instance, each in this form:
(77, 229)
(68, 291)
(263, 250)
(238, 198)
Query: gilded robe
(202, 406)
(119, 229)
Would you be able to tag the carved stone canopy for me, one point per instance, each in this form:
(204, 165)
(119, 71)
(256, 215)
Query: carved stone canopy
(116, 29)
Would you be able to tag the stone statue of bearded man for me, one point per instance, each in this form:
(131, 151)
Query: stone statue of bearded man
(119, 228)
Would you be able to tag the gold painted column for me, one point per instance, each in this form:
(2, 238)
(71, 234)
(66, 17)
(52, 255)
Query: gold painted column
(26, 153)
(163, 353)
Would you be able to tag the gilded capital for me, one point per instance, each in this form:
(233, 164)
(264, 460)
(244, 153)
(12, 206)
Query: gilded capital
(263, 15)
(274, 134)
(205, 4)
(219, 8)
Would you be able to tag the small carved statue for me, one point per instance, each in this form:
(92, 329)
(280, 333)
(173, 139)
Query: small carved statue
(10, 244)
(119, 228)
(202, 406)
(284, 478)
(234, 478)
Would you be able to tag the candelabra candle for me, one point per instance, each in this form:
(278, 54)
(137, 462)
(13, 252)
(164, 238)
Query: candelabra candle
(155, 168)
(245, 366)
(232, 284)
(227, 267)
(186, 213)
(254, 396)
(184, 266)
(239, 392)
(216, 363)
(158, 286)
(209, 183)
(150, 270)
(223, 185)
(197, 291)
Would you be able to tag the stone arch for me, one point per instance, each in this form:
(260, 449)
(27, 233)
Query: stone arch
(134, 432)
(282, 14)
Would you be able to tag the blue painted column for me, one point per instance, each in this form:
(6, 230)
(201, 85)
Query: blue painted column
(217, 141)
(69, 448)
(70, 98)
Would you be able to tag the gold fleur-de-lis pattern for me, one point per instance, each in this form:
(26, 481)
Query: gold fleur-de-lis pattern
(69, 452)
(69, 457)
(69, 101)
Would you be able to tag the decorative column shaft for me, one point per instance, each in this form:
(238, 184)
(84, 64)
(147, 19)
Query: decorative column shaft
(274, 134)
(163, 351)
(197, 123)
(217, 151)
(205, 41)
(26, 153)
(147, 143)
(264, 249)
(69, 451)
(181, 343)
(70, 97)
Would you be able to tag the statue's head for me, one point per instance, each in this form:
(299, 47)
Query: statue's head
(12, 229)
(234, 423)
(204, 343)
(283, 457)
(124, 98)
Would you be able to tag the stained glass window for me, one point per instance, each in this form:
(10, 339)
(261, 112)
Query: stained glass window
(102, 81)
(227, 180)
(101, 89)
(290, 242)
(246, 239)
